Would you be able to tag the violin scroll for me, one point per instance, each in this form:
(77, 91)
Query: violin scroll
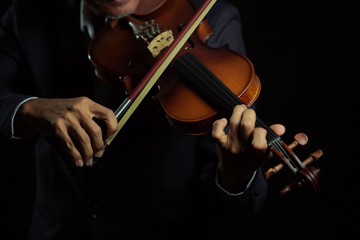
(305, 175)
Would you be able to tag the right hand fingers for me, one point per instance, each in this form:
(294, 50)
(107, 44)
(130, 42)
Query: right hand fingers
(71, 121)
(88, 135)
(106, 115)
(80, 135)
(62, 132)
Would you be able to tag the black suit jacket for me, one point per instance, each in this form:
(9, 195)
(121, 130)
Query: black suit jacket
(153, 182)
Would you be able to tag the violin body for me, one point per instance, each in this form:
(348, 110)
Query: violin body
(187, 111)
(200, 85)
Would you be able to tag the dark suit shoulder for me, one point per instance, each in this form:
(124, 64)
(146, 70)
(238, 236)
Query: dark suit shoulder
(225, 21)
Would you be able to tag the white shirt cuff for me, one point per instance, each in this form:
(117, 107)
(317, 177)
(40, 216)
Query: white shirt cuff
(13, 116)
(235, 194)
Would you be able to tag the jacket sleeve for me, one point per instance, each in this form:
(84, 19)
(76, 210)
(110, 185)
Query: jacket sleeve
(15, 84)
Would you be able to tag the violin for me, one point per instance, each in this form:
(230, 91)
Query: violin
(164, 44)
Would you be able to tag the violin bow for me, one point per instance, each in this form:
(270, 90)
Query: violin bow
(130, 104)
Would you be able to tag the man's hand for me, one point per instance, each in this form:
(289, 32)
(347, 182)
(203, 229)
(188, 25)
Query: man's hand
(243, 149)
(70, 121)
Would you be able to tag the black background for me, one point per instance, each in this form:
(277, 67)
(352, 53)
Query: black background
(305, 53)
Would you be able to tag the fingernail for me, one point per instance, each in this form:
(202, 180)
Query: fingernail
(79, 163)
(89, 162)
(99, 154)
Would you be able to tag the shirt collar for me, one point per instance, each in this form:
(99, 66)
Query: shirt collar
(86, 23)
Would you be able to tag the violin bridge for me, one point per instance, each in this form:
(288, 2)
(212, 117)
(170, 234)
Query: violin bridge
(161, 41)
(151, 34)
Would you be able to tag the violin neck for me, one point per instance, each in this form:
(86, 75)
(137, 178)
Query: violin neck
(213, 90)
(224, 100)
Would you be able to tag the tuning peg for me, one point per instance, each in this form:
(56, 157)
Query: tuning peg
(272, 171)
(300, 139)
(314, 173)
(313, 157)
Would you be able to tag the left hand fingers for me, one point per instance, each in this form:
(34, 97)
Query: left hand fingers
(259, 143)
(243, 135)
(246, 128)
(218, 131)
(242, 125)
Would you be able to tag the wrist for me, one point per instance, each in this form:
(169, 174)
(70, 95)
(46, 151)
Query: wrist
(233, 181)
(21, 122)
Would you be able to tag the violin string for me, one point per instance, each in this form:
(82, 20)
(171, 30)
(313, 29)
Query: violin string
(203, 79)
(225, 95)
(199, 76)
(276, 142)
(280, 148)
(271, 135)
(213, 86)
(218, 93)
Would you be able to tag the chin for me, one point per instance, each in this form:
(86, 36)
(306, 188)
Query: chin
(117, 8)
